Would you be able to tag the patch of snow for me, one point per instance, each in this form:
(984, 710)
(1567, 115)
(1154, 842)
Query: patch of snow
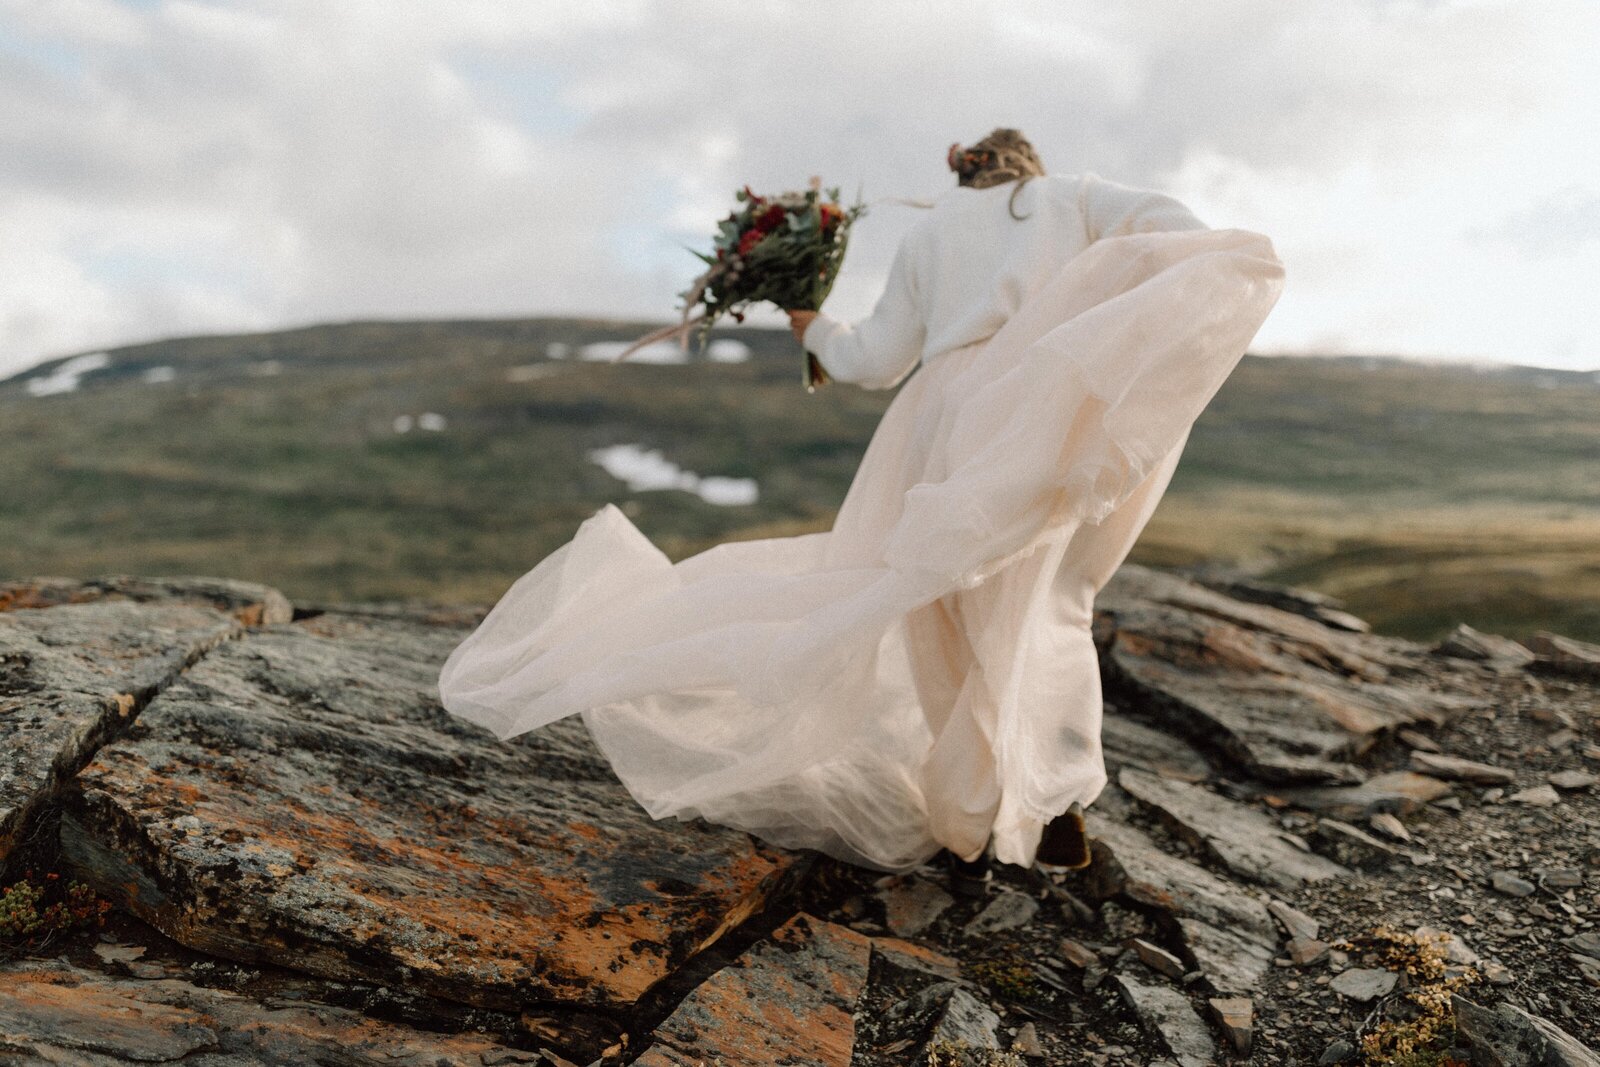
(727, 350)
(158, 375)
(431, 421)
(659, 352)
(644, 470)
(557, 350)
(404, 424)
(266, 368)
(728, 492)
(66, 377)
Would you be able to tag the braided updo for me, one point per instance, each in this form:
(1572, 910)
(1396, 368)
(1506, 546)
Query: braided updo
(1003, 156)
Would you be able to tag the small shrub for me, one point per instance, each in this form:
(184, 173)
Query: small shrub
(32, 911)
(1419, 1029)
(1012, 978)
(960, 1054)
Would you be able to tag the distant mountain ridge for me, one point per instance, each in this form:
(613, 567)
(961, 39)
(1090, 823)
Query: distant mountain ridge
(442, 459)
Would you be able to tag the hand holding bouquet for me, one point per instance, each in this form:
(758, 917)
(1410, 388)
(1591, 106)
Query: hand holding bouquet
(783, 249)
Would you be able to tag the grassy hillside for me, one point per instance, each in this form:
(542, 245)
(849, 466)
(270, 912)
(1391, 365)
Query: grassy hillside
(1422, 495)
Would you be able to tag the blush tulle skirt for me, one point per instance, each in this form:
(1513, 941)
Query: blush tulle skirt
(922, 675)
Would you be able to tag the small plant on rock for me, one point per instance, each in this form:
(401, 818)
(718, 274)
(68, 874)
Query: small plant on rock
(1418, 1028)
(944, 1053)
(1012, 978)
(32, 911)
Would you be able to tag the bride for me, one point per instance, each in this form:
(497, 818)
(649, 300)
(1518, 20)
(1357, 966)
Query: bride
(922, 676)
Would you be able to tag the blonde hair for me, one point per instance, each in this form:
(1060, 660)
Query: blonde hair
(1003, 156)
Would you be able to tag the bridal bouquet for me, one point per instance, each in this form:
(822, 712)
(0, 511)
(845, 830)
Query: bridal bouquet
(783, 249)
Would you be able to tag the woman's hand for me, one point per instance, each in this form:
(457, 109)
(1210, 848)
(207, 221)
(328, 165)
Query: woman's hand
(798, 321)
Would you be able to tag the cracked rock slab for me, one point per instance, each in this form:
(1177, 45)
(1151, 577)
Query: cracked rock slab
(1289, 698)
(1241, 838)
(1507, 1036)
(59, 1013)
(73, 675)
(1168, 1014)
(299, 797)
(1229, 933)
(789, 999)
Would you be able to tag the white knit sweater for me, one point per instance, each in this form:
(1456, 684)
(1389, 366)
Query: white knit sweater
(967, 266)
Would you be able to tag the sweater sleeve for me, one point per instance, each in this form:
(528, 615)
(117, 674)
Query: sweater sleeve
(1111, 209)
(880, 350)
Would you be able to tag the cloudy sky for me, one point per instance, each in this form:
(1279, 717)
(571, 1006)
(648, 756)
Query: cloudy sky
(1427, 168)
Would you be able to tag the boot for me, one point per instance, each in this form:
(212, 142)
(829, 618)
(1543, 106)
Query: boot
(1065, 841)
(967, 878)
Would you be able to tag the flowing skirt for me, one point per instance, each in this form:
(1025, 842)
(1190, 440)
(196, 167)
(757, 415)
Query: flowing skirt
(922, 674)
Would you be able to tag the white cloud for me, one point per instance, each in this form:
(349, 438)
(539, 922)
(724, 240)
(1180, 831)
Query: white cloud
(1425, 168)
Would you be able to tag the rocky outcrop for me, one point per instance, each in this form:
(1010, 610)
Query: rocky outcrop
(310, 861)
(300, 798)
(1287, 699)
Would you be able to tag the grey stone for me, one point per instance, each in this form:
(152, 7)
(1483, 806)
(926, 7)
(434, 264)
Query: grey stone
(1456, 769)
(1508, 1036)
(1027, 1042)
(1305, 950)
(1240, 837)
(1168, 1015)
(1456, 950)
(1006, 911)
(1077, 954)
(1389, 826)
(1586, 943)
(1157, 958)
(1362, 984)
(1573, 781)
(1511, 885)
(1338, 1051)
(1295, 922)
(1540, 796)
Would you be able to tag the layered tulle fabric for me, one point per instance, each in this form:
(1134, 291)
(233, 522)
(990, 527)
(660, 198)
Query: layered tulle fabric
(922, 674)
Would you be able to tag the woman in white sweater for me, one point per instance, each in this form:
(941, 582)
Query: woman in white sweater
(986, 247)
(921, 676)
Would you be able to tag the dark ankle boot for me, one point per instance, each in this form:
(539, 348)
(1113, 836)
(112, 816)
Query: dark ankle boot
(1065, 842)
(967, 878)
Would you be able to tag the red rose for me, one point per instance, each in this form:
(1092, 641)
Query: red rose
(750, 239)
(831, 215)
(770, 219)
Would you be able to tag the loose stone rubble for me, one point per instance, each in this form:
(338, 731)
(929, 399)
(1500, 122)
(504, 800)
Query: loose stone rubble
(310, 862)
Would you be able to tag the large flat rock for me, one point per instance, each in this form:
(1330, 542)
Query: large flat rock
(1288, 698)
(1241, 838)
(72, 675)
(299, 797)
(791, 999)
(1228, 931)
(54, 1012)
